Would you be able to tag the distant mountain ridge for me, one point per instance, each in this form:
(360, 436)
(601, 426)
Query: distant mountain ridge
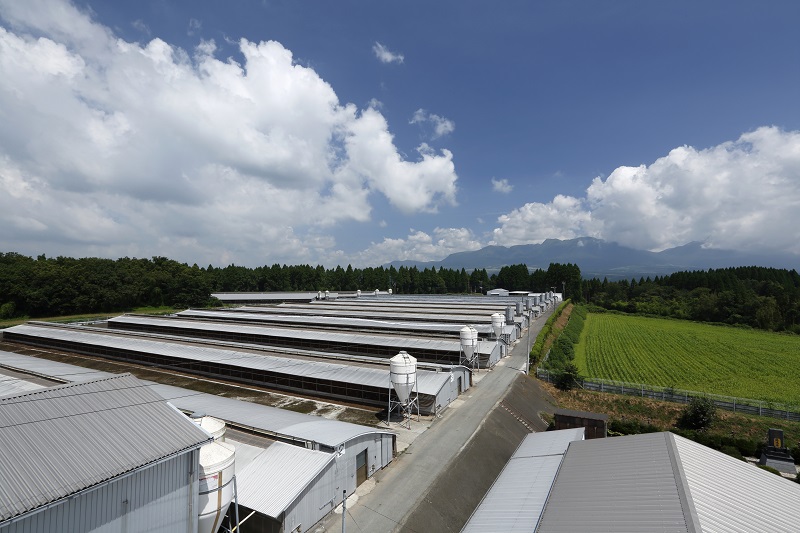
(598, 258)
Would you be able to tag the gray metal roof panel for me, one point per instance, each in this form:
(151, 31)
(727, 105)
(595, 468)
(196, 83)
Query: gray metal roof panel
(46, 367)
(336, 321)
(278, 476)
(621, 484)
(427, 382)
(406, 343)
(264, 296)
(331, 433)
(273, 420)
(515, 500)
(60, 440)
(11, 386)
(370, 313)
(733, 496)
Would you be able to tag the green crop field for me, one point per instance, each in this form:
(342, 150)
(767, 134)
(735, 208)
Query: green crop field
(687, 355)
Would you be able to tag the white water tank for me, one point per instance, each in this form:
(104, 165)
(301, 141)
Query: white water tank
(498, 322)
(469, 341)
(358, 293)
(214, 426)
(376, 292)
(327, 294)
(390, 292)
(403, 373)
(217, 461)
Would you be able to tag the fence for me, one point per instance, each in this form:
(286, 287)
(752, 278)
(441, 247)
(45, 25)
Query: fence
(728, 403)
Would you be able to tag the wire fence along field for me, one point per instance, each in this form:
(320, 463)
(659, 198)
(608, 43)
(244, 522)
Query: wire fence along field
(728, 403)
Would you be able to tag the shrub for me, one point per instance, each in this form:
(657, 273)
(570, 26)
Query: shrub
(769, 469)
(698, 414)
(568, 378)
(733, 452)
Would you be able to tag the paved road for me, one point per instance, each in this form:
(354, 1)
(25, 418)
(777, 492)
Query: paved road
(399, 487)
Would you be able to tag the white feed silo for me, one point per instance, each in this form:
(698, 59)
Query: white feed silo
(216, 485)
(403, 370)
(498, 322)
(469, 342)
(358, 293)
(403, 376)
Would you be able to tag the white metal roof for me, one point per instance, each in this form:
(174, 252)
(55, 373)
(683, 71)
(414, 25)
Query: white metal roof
(731, 495)
(427, 382)
(335, 321)
(271, 420)
(517, 497)
(10, 386)
(60, 440)
(264, 296)
(662, 482)
(409, 344)
(52, 369)
(318, 310)
(278, 475)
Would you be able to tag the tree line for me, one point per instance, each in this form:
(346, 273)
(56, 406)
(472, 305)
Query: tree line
(758, 297)
(43, 286)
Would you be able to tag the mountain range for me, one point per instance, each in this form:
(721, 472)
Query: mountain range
(598, 258)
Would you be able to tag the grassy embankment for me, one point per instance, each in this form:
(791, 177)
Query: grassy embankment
(7, 323)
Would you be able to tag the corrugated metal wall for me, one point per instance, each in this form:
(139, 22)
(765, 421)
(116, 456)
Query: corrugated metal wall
(161, 498)
(325, 493)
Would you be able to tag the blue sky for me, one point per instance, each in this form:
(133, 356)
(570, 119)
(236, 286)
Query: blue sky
(362, 132)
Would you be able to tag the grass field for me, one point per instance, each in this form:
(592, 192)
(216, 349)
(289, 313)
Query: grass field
(688, 355)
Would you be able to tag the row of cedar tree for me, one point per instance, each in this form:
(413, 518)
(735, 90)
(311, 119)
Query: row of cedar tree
(758, 297)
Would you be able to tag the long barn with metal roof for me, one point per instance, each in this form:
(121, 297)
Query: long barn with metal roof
(368, 385)
(289, 477)
(654, 482)
(425, 349)
(438, 329)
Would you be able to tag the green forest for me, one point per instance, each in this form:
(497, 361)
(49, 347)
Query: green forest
(45, 287)
(758, 297)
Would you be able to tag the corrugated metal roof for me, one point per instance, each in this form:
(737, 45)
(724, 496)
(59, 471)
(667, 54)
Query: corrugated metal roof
(517, 497)
(731, 495)
(373, 313)
(409, 344)
(274, 479)
(616, 485)
(60, 440)
(334, 321)
(264, 296)
(11, 386)
(427, 382)
(48, 368)
(331, 433)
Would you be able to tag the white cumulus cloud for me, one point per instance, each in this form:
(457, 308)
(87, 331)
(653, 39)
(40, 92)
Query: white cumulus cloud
(385, 55)
(502, 186)
(419, 246)
(440, 126)
(742, 194)
(112, 148)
